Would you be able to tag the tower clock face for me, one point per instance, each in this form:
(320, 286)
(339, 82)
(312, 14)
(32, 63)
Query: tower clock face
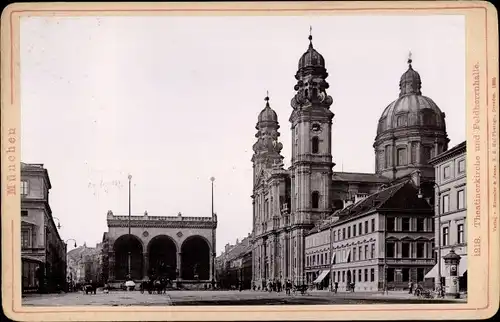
(316, 127)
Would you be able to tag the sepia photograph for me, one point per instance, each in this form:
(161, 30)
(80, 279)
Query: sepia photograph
(244, 160)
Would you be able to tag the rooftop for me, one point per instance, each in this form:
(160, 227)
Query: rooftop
(457, 149)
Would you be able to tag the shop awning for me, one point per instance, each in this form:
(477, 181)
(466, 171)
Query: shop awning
(321, 276)
(31, 259)
(26, 221)
(462, 268)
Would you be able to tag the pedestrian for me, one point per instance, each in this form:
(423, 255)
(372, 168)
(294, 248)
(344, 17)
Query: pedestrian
(410, 287)
(352, 287)
(336, 287)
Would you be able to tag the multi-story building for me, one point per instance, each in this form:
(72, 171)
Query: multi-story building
(288, 203)
(85, 264)
(43, 253)
(451, 211)
(317, 255)
(234, 265)
(382, 241)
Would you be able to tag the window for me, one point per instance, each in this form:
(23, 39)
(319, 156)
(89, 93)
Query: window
(24, 187)
(354, 231)
(354, 275)
(446, 236)
(434, 255)
(372, 275)
(354, 254)
(446, 172)
(390, 274)
(405, 223)
(461, 199)
(373, 224)
(390, 248)
(461, 166)
(24, 213)
(360, 275)
(420, 224)
(420, 274)
(426, 154)
(343, 276)
(315, 144)
(314, 260)
(460, 232)
(360, 228)
(321, 259)
(420, 250)
(388, 162)
(406, 274)
(401, 121)
(405, 250)
(315, 199)
(372, 255)
(391, 223)
(335, 235)
(366, 251)
(366, 226)
(343, 233)
(446, 203)
(360, 250)
(402, 156)
(25, 239)
(349, 232)
(366, 274)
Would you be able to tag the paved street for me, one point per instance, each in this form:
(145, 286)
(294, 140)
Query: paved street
(122, 298)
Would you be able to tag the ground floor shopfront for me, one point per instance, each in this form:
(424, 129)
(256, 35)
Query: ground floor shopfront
(378, 277)
(31, 274)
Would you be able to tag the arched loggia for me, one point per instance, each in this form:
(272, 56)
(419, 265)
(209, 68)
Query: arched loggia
(195, 259)
(162, 257)
(122, 247)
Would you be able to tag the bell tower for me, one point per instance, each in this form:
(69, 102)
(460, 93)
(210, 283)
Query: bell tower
(311, 121)
(312, 166)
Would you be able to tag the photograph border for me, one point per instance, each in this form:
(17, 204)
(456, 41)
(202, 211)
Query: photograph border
(481, 34)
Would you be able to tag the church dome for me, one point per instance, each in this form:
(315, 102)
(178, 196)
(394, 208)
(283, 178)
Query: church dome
(411, 108)
(267, 114)
(311, 58)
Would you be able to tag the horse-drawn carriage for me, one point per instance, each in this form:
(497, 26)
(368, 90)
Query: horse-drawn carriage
(157, 285)
(89, 288)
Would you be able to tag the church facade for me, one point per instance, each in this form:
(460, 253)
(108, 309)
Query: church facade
(289, 203)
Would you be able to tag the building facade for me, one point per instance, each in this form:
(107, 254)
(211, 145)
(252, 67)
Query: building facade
(383, 241)
(288, 203)
(317, 254)
(234, 265)
(43, 253)
(84, 265)
(451, 211)
(179, 248)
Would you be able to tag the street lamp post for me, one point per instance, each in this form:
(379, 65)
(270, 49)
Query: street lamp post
(438, 216)
(58, 222)
(129, 231)
(212, 179)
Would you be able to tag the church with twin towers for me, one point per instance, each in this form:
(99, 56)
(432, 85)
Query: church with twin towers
(289, 203)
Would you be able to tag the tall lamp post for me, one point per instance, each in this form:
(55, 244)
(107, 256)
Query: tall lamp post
(129, 232)
(437, 214)
(66, 264)
(212, 179)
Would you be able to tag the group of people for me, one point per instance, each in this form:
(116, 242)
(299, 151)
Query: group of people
(275, 286)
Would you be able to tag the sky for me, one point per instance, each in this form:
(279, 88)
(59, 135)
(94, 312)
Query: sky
(174, 101)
